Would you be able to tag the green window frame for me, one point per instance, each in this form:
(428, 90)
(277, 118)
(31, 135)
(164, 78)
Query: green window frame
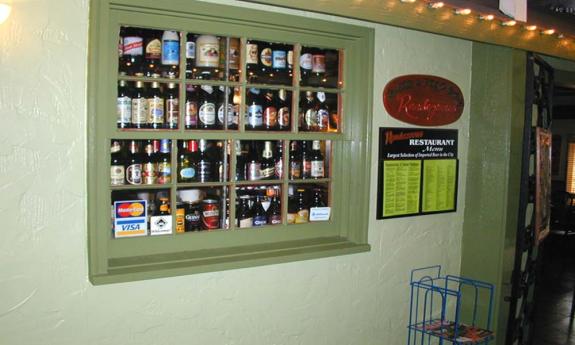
(119, 260)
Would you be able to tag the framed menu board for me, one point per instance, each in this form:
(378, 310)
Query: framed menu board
(418, 172)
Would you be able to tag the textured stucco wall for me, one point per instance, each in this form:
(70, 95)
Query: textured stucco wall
(46, 297)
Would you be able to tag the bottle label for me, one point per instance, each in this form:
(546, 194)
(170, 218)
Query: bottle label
(191, 119)
(283, 117)
(170, 52)
(260, 220)
(302, 216)
(318, 63)
(208, 54)
(156, 110)
(117, 175)
(291, 218)
(254, 171)
(251, 53)
(255, 115)
(290, 58)
(295, 170)
(266, 57)
(164, 173)
(305, 61)
(154, 49)
(270, 117)
(322, 119)
(149, 173)
(134, 174)
(133, 45)
(180, 220)
(267, 173)
(306, 168)
(234, 58)
(190, 50)
(316, 169)
(246, 223)
(139, 111)
(321, 96)
(279, 168)
(207, 114)
(310, 118)
(279, 59)
(232, 115)
(172, 112)
(275, 219)
(204, 171)
(124, 109)
(187, 173)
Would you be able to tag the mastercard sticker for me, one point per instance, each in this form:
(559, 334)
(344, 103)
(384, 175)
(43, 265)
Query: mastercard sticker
(131, 218)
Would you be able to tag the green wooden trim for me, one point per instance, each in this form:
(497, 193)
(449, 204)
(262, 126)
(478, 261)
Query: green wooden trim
(495, 142)
(115, 260)
(443, 21)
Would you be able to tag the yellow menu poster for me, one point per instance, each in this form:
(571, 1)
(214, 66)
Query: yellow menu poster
(439, 185)
(401, 186)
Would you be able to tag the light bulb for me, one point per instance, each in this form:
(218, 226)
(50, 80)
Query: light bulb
(509, 23)
(436, 5)
(548, 32)
(531, 27)
(487, 17)
(4, 12)
(462, 11)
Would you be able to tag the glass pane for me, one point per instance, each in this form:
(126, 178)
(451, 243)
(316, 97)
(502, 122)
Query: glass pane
(268, 110)
(141, 213)
(269, 62)
(202, 209)
(259, 160)
(309, 159)
(143, 105)
(206, 57)
(201, 161)
(137, 162)
(308, 203)
(205, 107)
(258, 206)
(150, 53)
(319, 112)
(319, 67)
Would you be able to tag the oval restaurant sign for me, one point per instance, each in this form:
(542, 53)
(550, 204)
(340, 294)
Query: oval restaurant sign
(423, 100)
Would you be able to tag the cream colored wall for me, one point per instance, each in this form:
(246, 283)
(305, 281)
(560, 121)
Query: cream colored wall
(46, 297)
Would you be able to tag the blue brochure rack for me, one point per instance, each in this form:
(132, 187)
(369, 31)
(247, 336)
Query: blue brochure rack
(448, 309)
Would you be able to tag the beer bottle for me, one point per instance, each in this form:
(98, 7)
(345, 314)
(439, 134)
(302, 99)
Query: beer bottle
(279, 63)
(164, 163)
(170, 53)
(317, 199)
(316, 161)
(207, 108)
(191, 56)
(156, 117)
(305, 65)
(191, 118)
(153, 53)
(294, 161)
(121, 66)
(164, 209)
(275, 211)
(117, 170)
(255, 110)
(252, 60)
(234, 58)
(232, 115)
(305, 160)
(267, 163)
(207, 56)
(205, 166)
(259, 214)
(187, 162)
(245, 219)
(317, 67)
(219, 159)
(124, 105)
(302, 215)
(133, 52)
(278, 160)
(172, 106)
(309, 107)
(134, 164)
(254, 166)
(240, 162)
(284, 114)
(139, 106)
(322, 113)
(150, 163)
(270, 113)
(265, 67)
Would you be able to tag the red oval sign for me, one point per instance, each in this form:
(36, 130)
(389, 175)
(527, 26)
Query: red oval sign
(423, 100)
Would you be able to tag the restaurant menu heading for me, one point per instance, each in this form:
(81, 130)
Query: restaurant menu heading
(418, 171)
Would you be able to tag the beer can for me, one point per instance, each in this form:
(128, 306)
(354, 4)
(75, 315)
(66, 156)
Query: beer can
(180, 218)
(193, 220)
(210, 214)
